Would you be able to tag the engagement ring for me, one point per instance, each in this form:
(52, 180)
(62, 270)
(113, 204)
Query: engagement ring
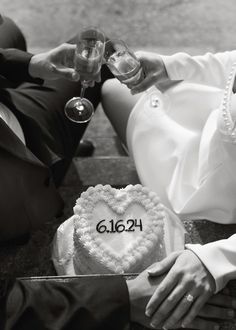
(189, 297)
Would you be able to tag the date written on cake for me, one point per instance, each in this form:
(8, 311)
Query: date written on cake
(119, 226)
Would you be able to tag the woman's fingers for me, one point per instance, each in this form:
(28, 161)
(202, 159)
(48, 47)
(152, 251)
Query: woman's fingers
(165, 313)
(143, 85)
(183, 292)
(161, 293)
(195, 308)
(163, 266)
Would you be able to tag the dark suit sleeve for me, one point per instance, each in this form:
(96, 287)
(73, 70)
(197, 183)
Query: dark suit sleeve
(14, 65)
(84, 303)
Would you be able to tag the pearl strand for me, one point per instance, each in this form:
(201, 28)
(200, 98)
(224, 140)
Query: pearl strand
(226, 105)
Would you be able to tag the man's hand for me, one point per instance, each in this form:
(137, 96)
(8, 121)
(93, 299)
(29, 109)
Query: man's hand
(54, 64)
(140, 290)
(221, 306)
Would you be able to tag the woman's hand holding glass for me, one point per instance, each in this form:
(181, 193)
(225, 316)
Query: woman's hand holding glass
(184, 291)
(122, 62)
(154, 73)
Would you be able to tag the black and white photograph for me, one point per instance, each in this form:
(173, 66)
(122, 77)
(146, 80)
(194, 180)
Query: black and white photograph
(117, 164)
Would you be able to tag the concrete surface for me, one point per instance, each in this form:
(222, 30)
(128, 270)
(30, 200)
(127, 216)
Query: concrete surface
(168, 25)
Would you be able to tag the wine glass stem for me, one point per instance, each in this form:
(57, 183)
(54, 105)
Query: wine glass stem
(83, 88)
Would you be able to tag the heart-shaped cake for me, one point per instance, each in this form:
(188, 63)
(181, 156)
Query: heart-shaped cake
(117, 230)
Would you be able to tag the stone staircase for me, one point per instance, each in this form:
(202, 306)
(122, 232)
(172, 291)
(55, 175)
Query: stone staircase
(110, 164)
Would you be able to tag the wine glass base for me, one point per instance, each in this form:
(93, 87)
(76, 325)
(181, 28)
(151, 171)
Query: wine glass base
(79, 110)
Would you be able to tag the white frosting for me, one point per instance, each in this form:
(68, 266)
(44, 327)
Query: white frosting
(117, 231)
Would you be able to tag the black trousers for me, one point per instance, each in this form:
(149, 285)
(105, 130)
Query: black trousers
(43, 108)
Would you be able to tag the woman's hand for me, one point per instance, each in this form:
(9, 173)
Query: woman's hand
(154, 71)
(183, 292)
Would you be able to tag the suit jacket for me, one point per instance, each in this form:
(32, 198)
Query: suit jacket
(96, 303)
(28, 196)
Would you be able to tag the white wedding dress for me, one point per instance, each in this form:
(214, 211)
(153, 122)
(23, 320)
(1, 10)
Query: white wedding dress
(185, 149)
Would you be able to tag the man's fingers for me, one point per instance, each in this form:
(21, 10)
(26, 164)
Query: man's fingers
(179, 309)
(216, 312)
(97, 77)
(67, 73)
(64, 55)
(161, 293)
(202, 324)
(171, 310)
(226, 291)
(223, 301)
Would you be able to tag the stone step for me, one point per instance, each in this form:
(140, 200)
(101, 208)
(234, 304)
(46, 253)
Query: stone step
(107, 147)
(90, 171)
(99, 125)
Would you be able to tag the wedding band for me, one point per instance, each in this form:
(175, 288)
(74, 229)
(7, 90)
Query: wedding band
(189, 297)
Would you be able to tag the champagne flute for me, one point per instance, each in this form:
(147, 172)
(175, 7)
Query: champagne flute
(125, 66)
(87, 61)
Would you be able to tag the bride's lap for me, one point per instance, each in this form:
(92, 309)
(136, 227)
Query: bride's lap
(118, 103)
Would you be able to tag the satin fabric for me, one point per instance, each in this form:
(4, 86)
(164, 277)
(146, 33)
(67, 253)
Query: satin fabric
(183, 151)
(85, 303)
(11, 121)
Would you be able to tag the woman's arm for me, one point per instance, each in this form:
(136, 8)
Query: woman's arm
(210, 69)
(163, 71)
(219, 258)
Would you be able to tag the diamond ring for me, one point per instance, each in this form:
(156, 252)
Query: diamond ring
(189, 297)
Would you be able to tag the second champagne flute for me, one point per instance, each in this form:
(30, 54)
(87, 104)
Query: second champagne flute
(88, 60)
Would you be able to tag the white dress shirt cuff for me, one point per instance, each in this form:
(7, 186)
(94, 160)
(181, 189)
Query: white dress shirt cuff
(175, 65)
(219, 258)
